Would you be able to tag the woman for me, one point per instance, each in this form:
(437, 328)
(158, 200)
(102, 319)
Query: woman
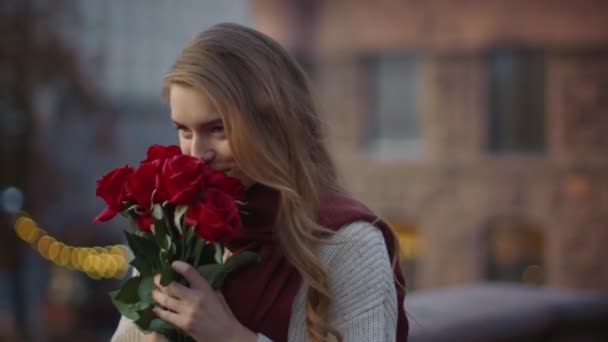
(328, 265)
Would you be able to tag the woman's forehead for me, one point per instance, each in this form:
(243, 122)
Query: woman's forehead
(190, 106)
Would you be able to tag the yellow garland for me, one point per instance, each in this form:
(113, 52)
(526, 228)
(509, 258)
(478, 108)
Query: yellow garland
(96, 262)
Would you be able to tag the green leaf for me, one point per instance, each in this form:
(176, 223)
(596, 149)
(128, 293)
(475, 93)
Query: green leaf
(188, 244)
(159, 230)
(240, 260)
(191, 234)
(143, 266)
(141, 245)
(198, 251)
(127, 310)
(170, 245)
(146, 253)
(219, 252)
(128, 291)
(144, 291)
(167, 276)
(157, 212)
(133, 225)
(163, 327)
(204, 252)
(146, 315)
(143, 234)
(180, 211)
(214, 274)
(126, 299)
(208, 256)
(163, 256)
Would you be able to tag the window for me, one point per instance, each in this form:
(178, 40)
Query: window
(517, 101)
(393, 125)
(514, 252)
(409, 250)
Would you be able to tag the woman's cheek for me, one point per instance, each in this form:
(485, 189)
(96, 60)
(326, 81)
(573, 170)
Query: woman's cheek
(184, 146)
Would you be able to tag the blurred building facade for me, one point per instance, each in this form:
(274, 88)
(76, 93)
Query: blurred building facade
(477, 127)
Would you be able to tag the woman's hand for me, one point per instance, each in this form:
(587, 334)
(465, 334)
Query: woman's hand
(199, 311)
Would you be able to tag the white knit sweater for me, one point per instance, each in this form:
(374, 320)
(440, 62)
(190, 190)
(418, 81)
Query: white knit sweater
(361, 281)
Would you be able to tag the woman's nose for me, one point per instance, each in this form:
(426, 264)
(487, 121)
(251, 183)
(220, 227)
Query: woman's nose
(207, 156)
(201, 149)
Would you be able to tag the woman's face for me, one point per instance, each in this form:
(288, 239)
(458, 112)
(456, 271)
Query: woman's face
(201, 130)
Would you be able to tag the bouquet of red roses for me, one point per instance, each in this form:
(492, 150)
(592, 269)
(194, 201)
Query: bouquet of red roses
(180, 209)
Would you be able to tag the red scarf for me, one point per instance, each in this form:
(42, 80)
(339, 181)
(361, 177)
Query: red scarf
(261, 295)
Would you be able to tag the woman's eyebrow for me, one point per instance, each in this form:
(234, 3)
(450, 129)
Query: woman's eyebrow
(212, 122)
(203, 124)
(177, 124)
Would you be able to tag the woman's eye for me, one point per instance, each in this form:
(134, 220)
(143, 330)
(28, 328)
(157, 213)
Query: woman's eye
(184, 132)
(217, 129)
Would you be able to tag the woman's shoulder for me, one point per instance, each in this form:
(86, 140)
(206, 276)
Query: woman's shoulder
(360, 270)
(357, 231)
(354, 242)
(338, 210)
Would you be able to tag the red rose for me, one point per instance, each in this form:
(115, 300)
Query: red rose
(215, 219)
(111, 188)
(183, 177)
(143, 183)
(156, 152)
(230, 185)
(144, 221)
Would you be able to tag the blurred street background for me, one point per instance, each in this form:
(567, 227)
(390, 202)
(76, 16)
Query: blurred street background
(478, 128)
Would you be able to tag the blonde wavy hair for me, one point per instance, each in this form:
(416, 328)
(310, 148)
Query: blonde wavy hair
(273, 127)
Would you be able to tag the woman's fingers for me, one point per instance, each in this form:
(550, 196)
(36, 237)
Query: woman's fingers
(182, 306)
(166, 301)
(223, 301)
(192, 276)
(174, 289)
(198, 310)
(169, 317)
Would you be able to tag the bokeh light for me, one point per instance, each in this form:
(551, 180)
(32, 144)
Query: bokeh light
(97, 262)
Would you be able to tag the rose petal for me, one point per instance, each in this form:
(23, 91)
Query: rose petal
(156, 152)
(106, 215)
(144, 222)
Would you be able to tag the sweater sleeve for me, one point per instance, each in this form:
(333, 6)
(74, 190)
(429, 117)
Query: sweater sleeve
(126, 330)
(361, 281)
